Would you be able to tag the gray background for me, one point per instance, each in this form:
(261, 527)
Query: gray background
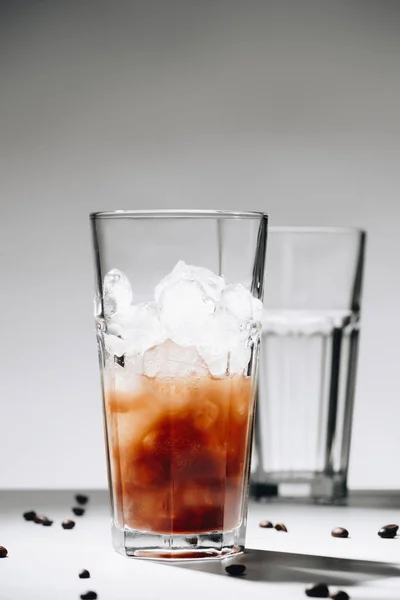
(292, 108)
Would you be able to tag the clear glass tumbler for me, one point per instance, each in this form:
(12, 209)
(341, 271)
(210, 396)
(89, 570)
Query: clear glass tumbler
(178, 313)
(308, 362)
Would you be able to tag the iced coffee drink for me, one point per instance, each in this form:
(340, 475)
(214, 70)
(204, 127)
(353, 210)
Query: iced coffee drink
(179, 403)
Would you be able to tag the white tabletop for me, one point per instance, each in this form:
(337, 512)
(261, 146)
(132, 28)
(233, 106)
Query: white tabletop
(44, 562)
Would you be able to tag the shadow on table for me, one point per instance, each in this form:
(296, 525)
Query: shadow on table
(263, 565)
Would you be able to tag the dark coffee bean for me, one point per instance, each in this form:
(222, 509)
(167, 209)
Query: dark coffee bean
(339, 532)
(43, 521)
(78, 511)
(388, 531)
(89, 596)
(280, 527)
(317, 590)
(84, 574)
(38, 519)
(235, 569)
(30, 515)
(81, 499)
(340, 595)
(120, 360)
(265, 524)
(68, 524)
(3, 552)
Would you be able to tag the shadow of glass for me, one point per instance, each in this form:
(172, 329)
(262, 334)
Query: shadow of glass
(262, 565)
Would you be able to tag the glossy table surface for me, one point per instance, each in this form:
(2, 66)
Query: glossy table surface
(44, 562)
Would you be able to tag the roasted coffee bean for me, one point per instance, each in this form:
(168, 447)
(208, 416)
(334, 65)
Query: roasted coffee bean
(388, 531)
(78, 511)
(30, 515)
(38, 519)
(81, 499)
(89, 596)
(84, 574)
(265, 524)
(43, 521)
(339, 532)
(317, 590)
(68, 524)
(235, 569)
(340, 595)
(3, 552)
(280, 527)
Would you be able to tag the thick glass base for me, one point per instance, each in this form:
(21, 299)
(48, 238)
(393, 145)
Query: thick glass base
(313, 487)
(206, 546)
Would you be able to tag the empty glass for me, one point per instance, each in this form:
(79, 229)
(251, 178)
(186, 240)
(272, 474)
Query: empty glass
(308, 362)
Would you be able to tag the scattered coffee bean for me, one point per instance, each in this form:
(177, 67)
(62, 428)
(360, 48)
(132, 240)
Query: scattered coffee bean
(280, 527)
(84, 574)
(265, 524)
(89, 596)
(78, 511)
(317, 590)
(340, 595)
(38, 519)
(30, 515)
(388, 531)
(81, 499)
(68, 524)
(339, 532)
(3, 552)
(235, 569)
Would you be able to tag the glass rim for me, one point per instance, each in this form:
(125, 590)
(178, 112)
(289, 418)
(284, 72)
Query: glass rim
(178, 214)
(314, 229)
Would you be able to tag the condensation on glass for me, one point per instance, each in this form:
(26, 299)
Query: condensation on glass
(308, 362)
(178, 314)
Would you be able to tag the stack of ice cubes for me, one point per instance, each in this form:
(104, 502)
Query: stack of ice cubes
(195, 325)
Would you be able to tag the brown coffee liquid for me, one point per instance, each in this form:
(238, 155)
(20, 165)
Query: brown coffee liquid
(178, 453)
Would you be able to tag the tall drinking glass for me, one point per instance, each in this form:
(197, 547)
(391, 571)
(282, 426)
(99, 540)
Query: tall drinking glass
(308, 362)
(178, 314)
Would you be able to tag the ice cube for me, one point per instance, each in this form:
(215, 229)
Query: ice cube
(224, 345)
(216, 340)
(184, 309)
(115, 345)
(257, 309)
(169, 360)
(139, 326)
(240, 303)
(117, 292)
(239, 358)
(128, 377)
(211, 284)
